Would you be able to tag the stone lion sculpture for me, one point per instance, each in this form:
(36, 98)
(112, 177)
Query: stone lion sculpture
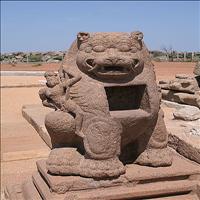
(107, 108)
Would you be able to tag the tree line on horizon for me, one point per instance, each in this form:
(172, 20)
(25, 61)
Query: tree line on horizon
(166, 54)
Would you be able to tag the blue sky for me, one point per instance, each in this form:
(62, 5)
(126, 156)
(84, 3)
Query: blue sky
(53, 25)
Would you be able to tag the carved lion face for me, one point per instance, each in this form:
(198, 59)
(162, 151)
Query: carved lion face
(110, 56)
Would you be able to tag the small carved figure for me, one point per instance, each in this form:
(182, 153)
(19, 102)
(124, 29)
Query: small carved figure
(57, 95)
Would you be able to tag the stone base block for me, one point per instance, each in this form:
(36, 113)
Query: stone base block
(179, 181)
(35, 115)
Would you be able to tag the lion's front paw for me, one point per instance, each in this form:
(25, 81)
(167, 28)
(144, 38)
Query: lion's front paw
(155, 158)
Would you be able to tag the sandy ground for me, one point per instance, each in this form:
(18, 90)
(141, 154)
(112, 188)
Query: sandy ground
(168, 70)
(30, 67)
(21, 80)
(20, 144)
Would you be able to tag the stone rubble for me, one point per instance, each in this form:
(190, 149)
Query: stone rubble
(183, 89)
(184, 136)
(189, 113)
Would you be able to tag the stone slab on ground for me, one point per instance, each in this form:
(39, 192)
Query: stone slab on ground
(171, 104)
(189, 113)
(183, 98)
(35, 115)
(179, 181)
(184, 136)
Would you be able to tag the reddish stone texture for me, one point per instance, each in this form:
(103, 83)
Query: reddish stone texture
(107, 84)
(107, 116)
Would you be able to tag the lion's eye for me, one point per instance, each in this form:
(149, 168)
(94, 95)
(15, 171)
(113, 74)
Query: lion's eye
(88, 49)
(124, 48)
(99, 48)
(133, 49)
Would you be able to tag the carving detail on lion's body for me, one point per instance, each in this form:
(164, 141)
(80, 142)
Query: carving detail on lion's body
(116, 64)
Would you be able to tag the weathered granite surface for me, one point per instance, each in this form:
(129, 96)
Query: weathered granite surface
(188, 113)
(35, 115)
(183, 89)
(178, 181)
(184, 136)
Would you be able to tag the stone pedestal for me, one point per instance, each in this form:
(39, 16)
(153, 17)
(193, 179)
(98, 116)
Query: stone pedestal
(179, 181)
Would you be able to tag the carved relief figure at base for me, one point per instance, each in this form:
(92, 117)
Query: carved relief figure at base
(107, 106)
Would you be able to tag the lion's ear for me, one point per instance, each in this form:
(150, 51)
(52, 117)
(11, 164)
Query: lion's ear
(82, 36)
(137, 35)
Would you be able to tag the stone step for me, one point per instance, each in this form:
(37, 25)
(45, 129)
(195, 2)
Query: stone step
(181, 169)
(29, 191)
(41, 186)
(168, 189)
(177, 182)
(181, 197)
(171, 188)
(35, 115)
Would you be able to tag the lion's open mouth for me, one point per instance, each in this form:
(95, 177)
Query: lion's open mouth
(111, 70)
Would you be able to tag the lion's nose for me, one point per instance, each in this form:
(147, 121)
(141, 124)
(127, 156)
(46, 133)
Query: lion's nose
(112, 60)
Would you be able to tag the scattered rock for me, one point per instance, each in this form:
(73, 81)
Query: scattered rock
(194, 131)
(182, 83)
(183, 76)
(189, 113)
(189, 99)
(163, 82)
(184, 136)
(171, 104)
(187, 85)
(184, 98)
(184, 89)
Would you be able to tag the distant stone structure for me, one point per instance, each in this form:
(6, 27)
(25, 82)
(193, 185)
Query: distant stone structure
(107, 127)
(31, 57)
(57, 56)
(183, 89)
